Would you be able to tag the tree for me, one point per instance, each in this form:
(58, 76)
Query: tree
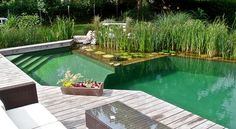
(41, 8)
(139, 7)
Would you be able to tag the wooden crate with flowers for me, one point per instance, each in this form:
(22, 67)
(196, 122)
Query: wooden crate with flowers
(72, 86)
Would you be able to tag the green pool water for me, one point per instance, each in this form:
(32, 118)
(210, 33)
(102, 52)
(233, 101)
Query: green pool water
(47, 67)
(203, 87)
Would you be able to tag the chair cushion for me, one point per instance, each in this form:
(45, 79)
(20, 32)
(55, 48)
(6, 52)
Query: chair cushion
(31, 116)
(55, 125)
(2, 105)
(6, 122)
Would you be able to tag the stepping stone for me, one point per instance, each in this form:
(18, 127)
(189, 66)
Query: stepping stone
(89, 50)
(108, 56)
(99, 53)
(117, 64)
(111, 63)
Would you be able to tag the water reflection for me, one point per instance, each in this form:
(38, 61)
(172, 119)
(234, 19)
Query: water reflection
(205, 88)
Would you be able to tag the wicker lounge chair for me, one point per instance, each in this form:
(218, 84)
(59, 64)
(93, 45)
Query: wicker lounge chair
(22, 110)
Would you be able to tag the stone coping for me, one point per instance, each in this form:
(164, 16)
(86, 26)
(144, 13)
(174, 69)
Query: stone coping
(36, 47)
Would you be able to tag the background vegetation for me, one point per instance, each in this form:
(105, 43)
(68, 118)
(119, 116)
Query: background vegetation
(189, 26)
(85, 10)
(27, 29)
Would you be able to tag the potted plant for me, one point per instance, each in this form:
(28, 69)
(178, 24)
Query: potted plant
(72, 86)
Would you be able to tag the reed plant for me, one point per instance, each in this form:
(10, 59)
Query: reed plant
(172, 32)
(216, 39)
(168, 30)
(232, 40)
(96, 22)
(144, 35)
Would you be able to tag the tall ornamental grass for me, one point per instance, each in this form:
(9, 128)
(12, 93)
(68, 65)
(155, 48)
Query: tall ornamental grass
(216, 39)
(232, 41)
(168, 30)
(18, 32)
(172, 32)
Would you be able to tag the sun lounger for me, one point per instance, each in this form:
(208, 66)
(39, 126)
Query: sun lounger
(20, 109)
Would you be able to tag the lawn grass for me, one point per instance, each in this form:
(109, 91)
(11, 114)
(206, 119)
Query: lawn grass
(82, 29)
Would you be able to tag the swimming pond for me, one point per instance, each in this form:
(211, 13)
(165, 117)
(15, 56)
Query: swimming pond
(203, 87)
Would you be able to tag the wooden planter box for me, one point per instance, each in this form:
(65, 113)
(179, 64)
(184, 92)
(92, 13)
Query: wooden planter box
(82, 91)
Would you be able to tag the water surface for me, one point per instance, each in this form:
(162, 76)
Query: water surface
(203, 87)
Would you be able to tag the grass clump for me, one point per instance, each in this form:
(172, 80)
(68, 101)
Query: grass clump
(27, 29)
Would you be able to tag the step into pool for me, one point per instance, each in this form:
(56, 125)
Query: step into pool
(47, 67)
(205, 88)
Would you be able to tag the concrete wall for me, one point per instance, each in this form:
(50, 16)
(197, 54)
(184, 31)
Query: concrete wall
(36, 47)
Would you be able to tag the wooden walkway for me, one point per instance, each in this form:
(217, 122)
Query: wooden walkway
(70, 110)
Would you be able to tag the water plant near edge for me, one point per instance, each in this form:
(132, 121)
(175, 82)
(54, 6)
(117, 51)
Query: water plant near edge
(216, 38)
(172, 32)
(232, 40)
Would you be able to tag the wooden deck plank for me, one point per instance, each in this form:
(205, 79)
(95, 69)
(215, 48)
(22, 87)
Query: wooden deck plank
(124, 99)
(80, 127)
(193, 123)
(59, 98)
(168, 114)
(161, 110)
(216, 126)
(130, 103)
(182, 121)
(69, 113)
(175, 117)
(76, 102)
(204, 125)
(156, 105)
(71, 123)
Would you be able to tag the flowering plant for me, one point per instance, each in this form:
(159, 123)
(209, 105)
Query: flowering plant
(72, 80)
(69, 79)
(89, 84)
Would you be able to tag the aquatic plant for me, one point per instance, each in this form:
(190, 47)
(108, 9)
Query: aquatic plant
(172, 32)
(216, 38)
(232, 41)
(96, 22)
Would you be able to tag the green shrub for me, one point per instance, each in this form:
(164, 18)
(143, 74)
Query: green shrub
(27, 21)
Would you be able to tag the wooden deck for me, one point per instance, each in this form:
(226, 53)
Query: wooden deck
(70, 110)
